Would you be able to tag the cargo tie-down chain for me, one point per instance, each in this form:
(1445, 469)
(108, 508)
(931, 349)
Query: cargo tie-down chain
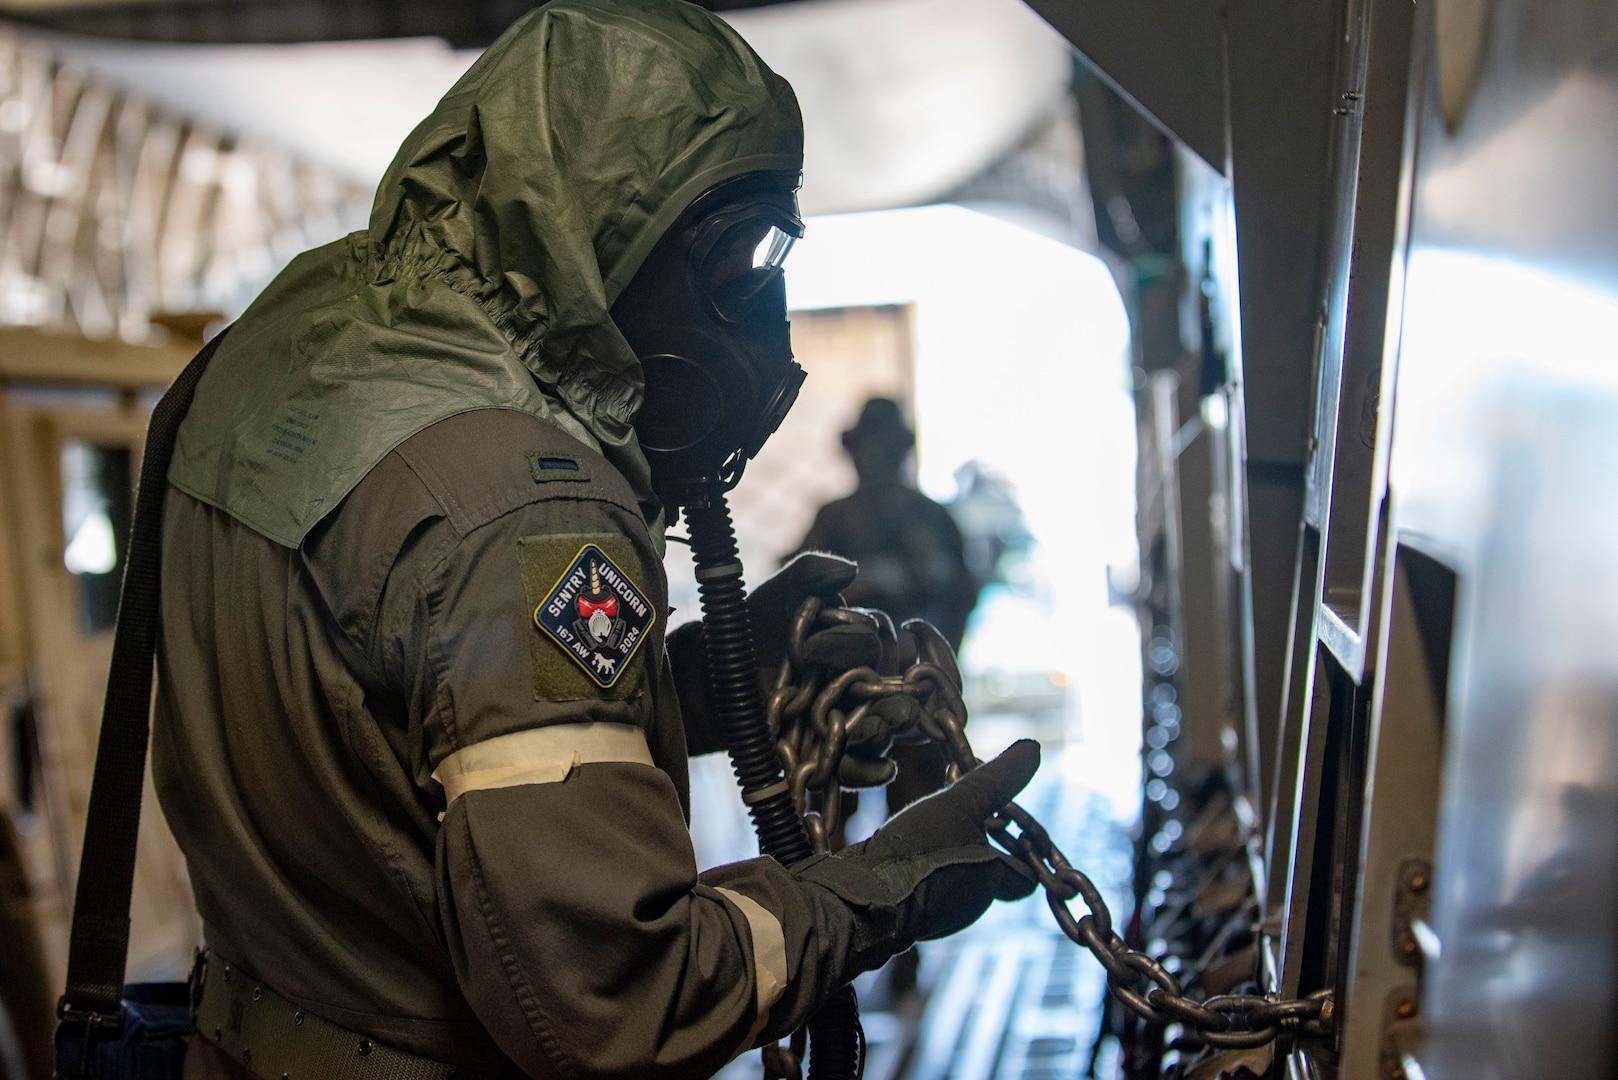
(813, 711)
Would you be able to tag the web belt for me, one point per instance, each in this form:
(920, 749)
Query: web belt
(278, 1040)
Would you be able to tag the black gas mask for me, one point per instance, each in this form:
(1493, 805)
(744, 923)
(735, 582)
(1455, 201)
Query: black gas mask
(707, 316)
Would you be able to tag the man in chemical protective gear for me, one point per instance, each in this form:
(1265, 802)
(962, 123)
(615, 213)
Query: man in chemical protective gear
(418, 734)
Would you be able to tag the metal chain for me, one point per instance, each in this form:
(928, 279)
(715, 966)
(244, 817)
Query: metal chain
(812, 713)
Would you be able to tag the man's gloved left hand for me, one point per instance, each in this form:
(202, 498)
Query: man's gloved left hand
(931, 870)
(869, 641)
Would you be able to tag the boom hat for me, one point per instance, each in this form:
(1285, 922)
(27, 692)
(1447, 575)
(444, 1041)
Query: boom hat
(881, 422)
(506, 227)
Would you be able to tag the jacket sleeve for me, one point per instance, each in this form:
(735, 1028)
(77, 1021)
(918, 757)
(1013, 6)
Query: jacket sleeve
(578, 926)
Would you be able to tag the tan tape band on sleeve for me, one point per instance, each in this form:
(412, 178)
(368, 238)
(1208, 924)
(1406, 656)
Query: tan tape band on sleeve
(769, 958)
(538, 756)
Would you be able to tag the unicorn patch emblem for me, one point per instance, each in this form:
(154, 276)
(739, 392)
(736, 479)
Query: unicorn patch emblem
(597, 615)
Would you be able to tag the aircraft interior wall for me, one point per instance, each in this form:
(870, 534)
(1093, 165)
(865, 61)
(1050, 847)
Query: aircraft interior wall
(1380, 570)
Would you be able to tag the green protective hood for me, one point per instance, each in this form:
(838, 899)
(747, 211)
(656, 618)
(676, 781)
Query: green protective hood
(505, 228)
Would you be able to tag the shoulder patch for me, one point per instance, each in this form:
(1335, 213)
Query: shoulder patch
(597, 614)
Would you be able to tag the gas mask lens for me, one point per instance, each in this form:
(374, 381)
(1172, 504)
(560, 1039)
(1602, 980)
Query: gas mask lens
(773, 250)
(744, 259)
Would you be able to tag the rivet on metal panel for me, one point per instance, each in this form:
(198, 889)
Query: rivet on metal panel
(1401, 1034)
(1410, 902)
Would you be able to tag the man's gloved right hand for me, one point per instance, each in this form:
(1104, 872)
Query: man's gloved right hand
(931, 870)
(771, 608)
(774, 604)
(863, 639)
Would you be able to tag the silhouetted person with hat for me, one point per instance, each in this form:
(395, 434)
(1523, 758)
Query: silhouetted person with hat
(909, 551)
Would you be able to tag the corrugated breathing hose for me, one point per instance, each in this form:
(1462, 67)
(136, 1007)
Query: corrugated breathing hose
(836, 1040)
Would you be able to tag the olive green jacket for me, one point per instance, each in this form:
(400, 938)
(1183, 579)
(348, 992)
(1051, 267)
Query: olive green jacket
(307, 697)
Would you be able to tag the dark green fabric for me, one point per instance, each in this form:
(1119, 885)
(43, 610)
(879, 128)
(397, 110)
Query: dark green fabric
(508, 224)
(244, 1015)
(305, 697)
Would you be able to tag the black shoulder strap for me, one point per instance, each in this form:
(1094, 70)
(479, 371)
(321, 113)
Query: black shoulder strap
(99, 944)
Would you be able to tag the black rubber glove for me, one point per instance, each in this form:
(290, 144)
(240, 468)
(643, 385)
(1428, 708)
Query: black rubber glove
(863, 638)
(895, 719)
(772, 606)
(930, 871)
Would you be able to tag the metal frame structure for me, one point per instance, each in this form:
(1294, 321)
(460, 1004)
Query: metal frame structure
(471, 24)
(113, 212)
(1408, 514)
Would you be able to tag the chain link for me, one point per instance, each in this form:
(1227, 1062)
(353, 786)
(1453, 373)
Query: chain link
(812, 713)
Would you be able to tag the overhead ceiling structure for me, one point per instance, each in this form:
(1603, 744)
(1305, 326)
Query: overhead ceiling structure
(115, 213)
(903, 100)
(469, 24)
